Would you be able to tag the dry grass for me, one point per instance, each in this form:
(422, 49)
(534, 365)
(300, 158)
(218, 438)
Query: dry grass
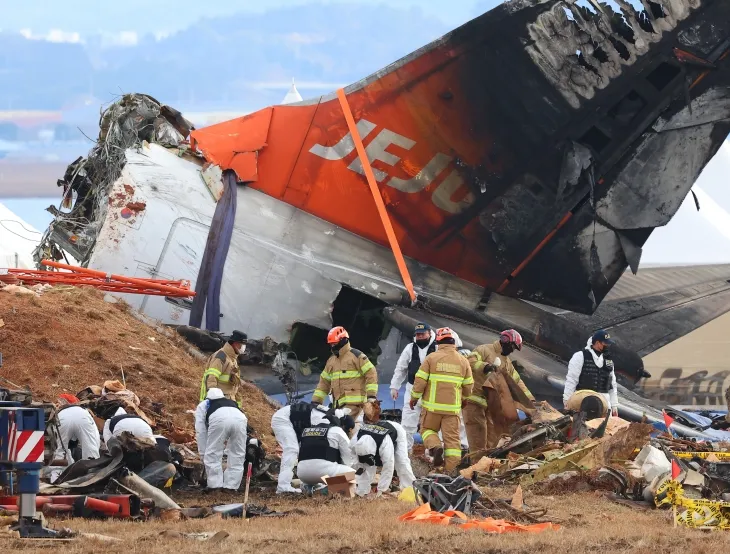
(70, 338)
(592, 524)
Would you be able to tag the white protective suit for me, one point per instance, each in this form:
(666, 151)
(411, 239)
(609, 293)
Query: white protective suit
(76, 423)
(410, 417)
(575, 366)
(312, 471)
(225, 425)
(136, 426)
(286, 437)
(394, 457)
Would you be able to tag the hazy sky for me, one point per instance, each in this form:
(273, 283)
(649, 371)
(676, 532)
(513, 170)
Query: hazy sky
(154, 16)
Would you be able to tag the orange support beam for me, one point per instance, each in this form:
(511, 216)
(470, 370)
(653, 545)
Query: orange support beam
(375, 191)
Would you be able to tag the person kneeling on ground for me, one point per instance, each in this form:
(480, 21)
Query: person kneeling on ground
(288, 424)
(218, 420)
(131, 423)
(325, 450)
(381, 443)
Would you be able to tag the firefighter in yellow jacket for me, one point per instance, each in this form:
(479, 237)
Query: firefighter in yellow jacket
(349, 375)
(221, 369)
(443, 381)
(483, 359)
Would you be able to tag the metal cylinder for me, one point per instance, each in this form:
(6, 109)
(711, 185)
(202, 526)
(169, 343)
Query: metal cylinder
(26, 505)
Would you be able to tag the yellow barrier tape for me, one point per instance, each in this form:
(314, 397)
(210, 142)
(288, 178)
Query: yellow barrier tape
(697, 514)
(722, 456)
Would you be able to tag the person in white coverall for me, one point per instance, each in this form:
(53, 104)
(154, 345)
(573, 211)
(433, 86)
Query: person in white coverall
(382, 444)
(76, 423)
(409, 362)
(219, 421)
(406, 368)
(591, 372)
(131, 423)
(325, 450)
(288, 424)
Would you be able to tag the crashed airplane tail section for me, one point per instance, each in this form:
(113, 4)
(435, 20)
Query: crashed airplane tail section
(530, 152)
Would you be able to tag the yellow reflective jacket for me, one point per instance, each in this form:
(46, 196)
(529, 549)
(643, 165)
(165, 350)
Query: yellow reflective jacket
(221, 371)
(485, 355)
(443, 380)
(350, 376)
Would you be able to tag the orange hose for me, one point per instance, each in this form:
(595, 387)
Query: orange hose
(375, 191)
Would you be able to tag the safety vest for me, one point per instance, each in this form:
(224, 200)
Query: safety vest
(378, 431)
(595, 378)
(300, 415)
(415, 363)
(213, 405)
(315, 446)
(116, 419)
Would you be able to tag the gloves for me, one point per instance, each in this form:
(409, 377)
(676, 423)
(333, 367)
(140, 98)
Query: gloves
(394, 394)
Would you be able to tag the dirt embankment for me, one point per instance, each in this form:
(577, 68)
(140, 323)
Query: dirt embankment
(70, 338)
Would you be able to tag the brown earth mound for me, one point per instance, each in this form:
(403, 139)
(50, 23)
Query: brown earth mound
(70, 338)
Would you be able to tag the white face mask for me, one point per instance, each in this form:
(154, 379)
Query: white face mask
(242, 349)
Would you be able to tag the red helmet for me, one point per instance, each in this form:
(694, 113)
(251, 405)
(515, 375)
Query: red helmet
(511, 336)
(336, 334)
(444, 333)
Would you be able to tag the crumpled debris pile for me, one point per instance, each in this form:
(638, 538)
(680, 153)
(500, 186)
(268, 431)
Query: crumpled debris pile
(631, 463)
(129, 122)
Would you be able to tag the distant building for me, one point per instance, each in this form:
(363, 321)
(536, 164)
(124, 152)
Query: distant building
(693, 370)
(293, 96)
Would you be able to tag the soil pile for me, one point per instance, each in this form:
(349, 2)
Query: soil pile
(70, 338)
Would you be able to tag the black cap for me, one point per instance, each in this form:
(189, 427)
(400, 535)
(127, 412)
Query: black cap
(347, 423)
(603, 336)
(238, 336)
(422, 328)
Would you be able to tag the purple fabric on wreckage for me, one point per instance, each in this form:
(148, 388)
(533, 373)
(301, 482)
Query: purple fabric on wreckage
(210, 274)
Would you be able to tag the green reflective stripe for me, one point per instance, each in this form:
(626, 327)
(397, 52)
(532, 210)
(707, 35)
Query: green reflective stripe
(452, 453)
(372, 388)
(212, 371)
(477, 355)
(427, 433)
(351, 400)
(422, 374)
(516, 376)
(416, 395)
(477, 400)
(479, 365)
(352, 374)
(367, 366)
(224, 378)
(468, 381)
(450, 408)
(319, 394)
(438, 378)
(240, 404)
(326, 376)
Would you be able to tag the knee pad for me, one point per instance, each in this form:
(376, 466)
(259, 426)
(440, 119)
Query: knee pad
(592, 406)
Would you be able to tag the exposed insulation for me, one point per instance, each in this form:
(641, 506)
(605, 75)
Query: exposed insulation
(580, 49)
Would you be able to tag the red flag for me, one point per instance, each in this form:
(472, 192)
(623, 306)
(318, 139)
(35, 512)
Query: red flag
(676, 470)
(668, 420)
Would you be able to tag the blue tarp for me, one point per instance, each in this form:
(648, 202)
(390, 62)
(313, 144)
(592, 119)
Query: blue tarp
(210, 275)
